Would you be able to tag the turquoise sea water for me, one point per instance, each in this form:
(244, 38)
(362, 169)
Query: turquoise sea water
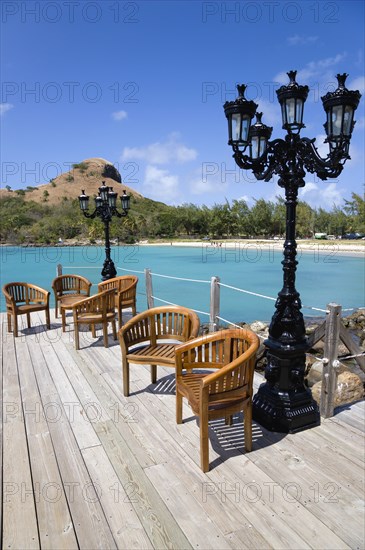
(323, 274)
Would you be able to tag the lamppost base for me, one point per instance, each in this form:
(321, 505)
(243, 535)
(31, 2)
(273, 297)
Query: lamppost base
(285, 411)
(108, 271)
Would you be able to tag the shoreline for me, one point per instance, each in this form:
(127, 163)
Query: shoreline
(330, 247)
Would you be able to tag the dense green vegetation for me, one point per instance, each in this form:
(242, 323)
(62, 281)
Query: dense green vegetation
(41, 223)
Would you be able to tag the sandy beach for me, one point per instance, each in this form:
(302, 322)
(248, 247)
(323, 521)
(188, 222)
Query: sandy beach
(321, 246)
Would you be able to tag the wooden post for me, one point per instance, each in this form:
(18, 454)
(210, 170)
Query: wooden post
(346, 338)
(214, 303)
(58, 270)
(149, 292)
(330, 362)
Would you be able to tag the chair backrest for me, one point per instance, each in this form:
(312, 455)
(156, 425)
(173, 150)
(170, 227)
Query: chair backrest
(71, 284)
(161, 323)
(231, 351)
(101, 303)
(19, 292)
(125, 284)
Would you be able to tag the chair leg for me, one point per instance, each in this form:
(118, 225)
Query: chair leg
(48, 321)
(15, 320)
(114, 329)
(153, 374)
(63, 315)
(120, 319)
(9, 322)
(56, 309)
(229, 420)
(28, 321)
(247, 411)
(204, 439)
(77, 339)
(93, 330)
(105, 333)
(125, 369)
(179, 404)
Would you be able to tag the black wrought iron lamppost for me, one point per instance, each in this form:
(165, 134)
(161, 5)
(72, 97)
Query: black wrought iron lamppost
(283, 403)
(105, 209)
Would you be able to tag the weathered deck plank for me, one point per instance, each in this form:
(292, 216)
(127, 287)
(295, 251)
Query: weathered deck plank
(19, 514)
(128, 476)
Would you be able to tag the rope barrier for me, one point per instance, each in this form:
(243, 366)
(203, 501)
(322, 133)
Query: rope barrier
(81, 267)
(315, 308)
(208, 282)
(238, 326)
(180, 278)
(247, 292)
(345, 357)
(130, 270)
(172, 304)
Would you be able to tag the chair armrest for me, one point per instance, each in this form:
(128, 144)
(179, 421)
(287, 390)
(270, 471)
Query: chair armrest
(135, 330)
(227, 369)
(38, 294)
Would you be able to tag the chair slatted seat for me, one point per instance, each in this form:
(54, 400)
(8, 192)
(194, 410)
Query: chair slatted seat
(125, 288)
(23, 299)
(222, 392)
(69, 289)
(94, 310)
(150, 338)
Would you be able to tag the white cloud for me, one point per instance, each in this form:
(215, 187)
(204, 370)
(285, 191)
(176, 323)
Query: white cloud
(321, 70)
(357, 84)
(119, 115)
(5, 107)
(160, 184)
(271, 112)
(320, 196)
(172, 150)
(301, 39)
(210, 179)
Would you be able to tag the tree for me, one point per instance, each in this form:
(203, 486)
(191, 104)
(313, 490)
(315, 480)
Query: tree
(305, 220)
(356, 210)
(240, 213)
(261, 217)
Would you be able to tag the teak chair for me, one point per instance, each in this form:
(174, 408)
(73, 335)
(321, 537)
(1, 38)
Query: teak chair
(150, 338)
(25, 298)
(69, 289)
(98, 309)
(125, 288)
(222, 393)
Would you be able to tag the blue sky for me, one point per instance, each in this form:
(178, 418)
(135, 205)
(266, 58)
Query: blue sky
(142, 84)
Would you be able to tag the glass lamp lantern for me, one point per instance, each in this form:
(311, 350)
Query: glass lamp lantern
(340, 106)
(125, 200)
(84, 201)
(239, 114)
(292, 98)
(112, 198)
(259, 136)
(103, 192)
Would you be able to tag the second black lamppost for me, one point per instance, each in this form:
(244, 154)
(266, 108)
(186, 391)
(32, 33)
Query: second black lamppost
(105, 209)
(283, 403)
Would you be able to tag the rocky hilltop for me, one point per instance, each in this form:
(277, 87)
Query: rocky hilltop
(87, 175)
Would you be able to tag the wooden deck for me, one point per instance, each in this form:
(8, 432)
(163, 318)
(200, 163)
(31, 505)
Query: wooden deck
(84, 467)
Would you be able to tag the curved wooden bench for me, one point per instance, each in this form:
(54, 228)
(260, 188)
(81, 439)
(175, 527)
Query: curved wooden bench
(25, 298)
(150, 338)
(69, 289)
(95, 310)
(125, 288)
(223, 392)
